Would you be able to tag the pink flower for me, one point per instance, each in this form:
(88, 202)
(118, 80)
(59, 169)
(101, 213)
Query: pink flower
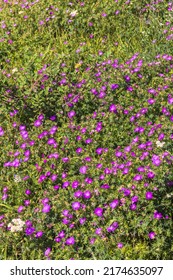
(152, 235)
(83, 169)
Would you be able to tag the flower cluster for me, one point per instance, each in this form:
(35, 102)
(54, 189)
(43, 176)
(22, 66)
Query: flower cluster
(86, 129)
(16, 225)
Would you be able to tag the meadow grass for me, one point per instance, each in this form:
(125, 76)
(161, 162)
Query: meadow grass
(86, 129)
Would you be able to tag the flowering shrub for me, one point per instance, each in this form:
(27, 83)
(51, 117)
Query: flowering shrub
(86, 130)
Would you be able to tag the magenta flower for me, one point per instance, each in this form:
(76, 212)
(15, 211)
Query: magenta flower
(98, 211)
(45, 200)
(170, 99)
(83, 169)
(71, 114)
(92, 240)
(66, 159)
(51, 141)
(53, 118)
(1, 131)
(20, 209)
(88, 159)
(61, 234)
(98, 231)
(78, 194)
(57, 239)
(29, 230)
(150, 175)
(48, 173)
(28, 223)
(107, 171)
(118, 154)
(27, 202)
(27, 192)
(47, 252)
(127, 78)
(152, 235)
(64, 175)
(88, 141)
(141, 169)
(112, 227)
(65, 212)
(114, 203)
(89, 180)
(78, 138)
(156, 160)
(41, 178)
(39, 234)
(70, 241)
(5, 189)
(76, 205)
(75, 184)
(79, 150)
(161, 136)
(134, 199)
(87, 194)
(158, 215)
(151, 101)
(53, 129)
(65, 184)
(133, 207)
(138, 177)
(41, 22)
(115, 225)
(114, 86)
(105, 186)
(125, 171)
(99, 151)
(127, 192)
(149, 195)
(120, 245)
(56, 187)
(99, 165)
(37, 123)
(46, 208)
(127, 149)
(129, 88)
(65, 221)
(82, 220)
(102, 176)
(5, 196)
(113, 108)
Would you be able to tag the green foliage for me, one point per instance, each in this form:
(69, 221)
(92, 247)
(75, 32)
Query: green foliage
(59, 54)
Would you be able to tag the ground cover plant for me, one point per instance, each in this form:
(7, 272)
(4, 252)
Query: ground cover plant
(86, 129)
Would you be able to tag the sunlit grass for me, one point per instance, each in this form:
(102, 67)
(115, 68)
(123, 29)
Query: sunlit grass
(102, 71)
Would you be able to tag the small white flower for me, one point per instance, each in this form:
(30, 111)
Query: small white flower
(10, 225)
(73, 13)
(169, 195)
(17, 178)
(160, 144)
(15, 221)
(18, 222)
(14, 70)
(16, 228)
(21, 12)
(16, 225)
